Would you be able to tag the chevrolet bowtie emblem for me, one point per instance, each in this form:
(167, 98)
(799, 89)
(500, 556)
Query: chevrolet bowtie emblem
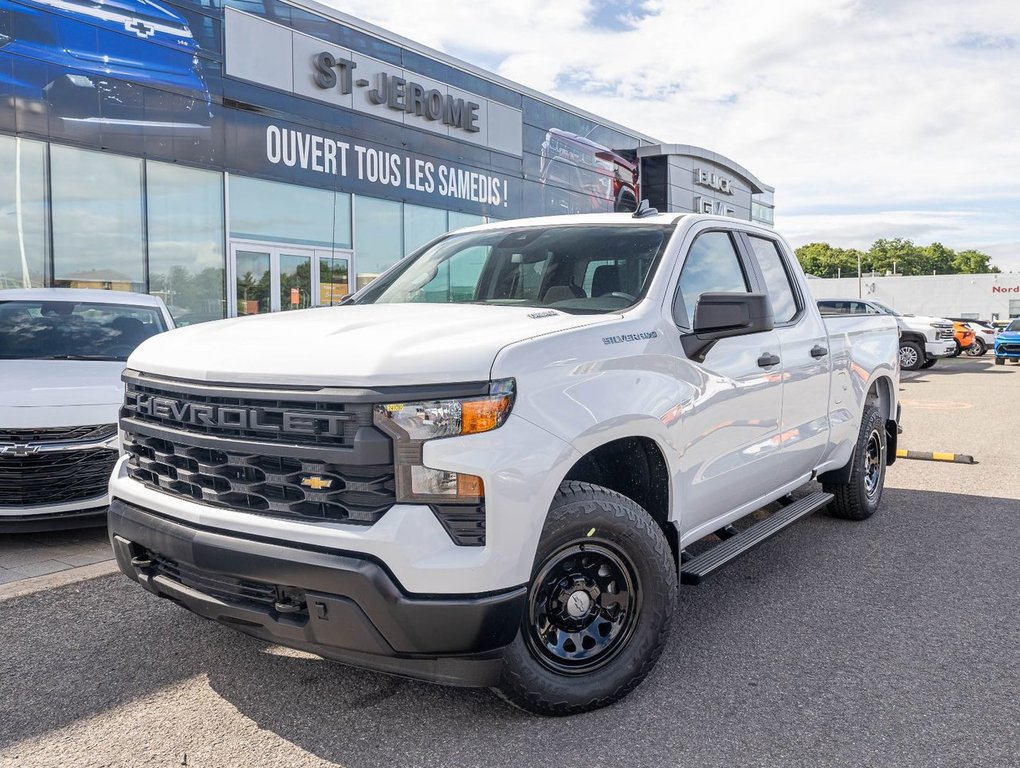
(317, 483)
(19, 449)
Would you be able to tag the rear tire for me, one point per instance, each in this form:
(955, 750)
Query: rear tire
(911, 355)
(859, 497)
(957, 349)
(977, 349)
(600, 605)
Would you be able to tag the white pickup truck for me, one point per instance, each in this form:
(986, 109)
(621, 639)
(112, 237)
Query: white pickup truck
(490, 466)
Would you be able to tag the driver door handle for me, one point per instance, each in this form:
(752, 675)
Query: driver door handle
(767, 360)
(818, 351)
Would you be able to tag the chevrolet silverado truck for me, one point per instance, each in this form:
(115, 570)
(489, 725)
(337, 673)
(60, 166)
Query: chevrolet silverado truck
(494, 465)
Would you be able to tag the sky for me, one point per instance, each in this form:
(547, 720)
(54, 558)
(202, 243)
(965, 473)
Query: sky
(877, 118)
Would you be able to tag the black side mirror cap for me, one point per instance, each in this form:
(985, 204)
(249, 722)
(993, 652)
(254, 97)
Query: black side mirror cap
(722, 315)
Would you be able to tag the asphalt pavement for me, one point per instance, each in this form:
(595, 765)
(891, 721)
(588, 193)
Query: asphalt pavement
(892, 642)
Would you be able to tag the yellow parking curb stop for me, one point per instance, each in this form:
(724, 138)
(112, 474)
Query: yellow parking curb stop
(955, 458)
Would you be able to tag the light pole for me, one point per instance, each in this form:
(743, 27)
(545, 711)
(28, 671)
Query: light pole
(860, 294)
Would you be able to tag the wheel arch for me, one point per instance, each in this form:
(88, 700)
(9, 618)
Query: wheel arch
(634, 466)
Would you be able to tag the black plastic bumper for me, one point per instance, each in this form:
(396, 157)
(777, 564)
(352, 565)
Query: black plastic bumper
(337, 605)
(93, 517)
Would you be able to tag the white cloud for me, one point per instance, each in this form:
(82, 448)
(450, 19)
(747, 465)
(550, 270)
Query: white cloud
(903, 113)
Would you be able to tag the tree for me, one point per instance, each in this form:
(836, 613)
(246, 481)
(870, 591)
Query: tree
(972, 262)
(823, 260)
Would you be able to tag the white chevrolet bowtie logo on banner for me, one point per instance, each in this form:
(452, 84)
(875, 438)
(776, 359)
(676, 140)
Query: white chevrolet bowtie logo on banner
(139, 27)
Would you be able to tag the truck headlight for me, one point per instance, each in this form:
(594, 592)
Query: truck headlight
(411, 424)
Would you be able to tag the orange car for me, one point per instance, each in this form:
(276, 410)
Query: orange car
(964, 337)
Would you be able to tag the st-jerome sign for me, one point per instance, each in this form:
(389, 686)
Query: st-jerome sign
(397, 93)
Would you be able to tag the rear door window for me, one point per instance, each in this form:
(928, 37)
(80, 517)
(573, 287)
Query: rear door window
(777, 279)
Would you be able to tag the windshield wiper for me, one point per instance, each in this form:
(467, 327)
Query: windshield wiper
(84, 357)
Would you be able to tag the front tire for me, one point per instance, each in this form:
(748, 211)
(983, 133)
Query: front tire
(1000, 360)
(911, 355)
(929, 362)
(859, 497)
(600, 605)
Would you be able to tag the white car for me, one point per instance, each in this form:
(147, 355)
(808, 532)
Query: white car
(62, 352)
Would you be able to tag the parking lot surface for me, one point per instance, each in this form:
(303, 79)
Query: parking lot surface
(892, 642)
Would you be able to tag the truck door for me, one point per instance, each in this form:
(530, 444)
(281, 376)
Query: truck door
(728, 435)
(806, 362)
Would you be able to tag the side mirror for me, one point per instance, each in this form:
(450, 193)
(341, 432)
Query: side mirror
(722, 315)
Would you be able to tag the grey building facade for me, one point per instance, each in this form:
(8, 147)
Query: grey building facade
(243, 156)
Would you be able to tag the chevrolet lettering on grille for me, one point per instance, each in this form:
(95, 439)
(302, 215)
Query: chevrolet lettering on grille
(241, 417)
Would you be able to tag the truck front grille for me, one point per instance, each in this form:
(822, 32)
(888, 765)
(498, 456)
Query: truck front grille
(276, 416)
(944, 334)
(251, 481)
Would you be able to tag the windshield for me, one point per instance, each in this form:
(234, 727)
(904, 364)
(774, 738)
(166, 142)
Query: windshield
(73, 330)
(885, 309)
(573, 268)
(1014, 326)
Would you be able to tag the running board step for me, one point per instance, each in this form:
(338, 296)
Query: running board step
(704, 565)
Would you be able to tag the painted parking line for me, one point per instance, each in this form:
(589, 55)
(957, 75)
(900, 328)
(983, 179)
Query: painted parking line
(955, 458)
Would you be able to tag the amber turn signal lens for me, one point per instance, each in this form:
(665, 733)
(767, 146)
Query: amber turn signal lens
(470, 485)
(483, 415)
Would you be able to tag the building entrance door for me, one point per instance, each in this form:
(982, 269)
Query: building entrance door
(277, 277)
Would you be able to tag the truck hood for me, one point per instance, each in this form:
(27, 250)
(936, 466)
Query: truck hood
(368, 345)
(923, 321)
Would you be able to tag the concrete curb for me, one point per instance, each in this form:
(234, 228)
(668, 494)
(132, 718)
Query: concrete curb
(59, 579)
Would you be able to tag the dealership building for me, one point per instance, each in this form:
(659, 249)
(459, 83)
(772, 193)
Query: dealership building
(236, 157)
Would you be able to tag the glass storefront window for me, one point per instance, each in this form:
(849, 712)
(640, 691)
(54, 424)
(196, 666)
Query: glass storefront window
(98, 237)
(422, 225)
(295, 281)
(378, 230)
(461, 220)
(23, 237)
(287, 213)
(333, 279)
(253, 282)
(185, 228)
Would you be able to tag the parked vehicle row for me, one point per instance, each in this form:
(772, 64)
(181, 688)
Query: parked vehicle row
(923, 340)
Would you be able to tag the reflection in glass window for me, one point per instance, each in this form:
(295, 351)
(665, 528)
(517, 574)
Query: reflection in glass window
(777, 281)
(74, 330)
(461, 220)
(422, 225)
(97, 219)
(185, 227)
(711, 266)
(334, 280)
(287, 213)
(295, 281)
(378, 230)
(253, 282)
(23, 238)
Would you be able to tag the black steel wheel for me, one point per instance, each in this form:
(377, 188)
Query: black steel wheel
(858, 497)
(599, 609)
(582, 607)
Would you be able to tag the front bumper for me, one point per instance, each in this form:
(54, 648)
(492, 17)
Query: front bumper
(940, 348)
(336, 604)
(90, 513)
